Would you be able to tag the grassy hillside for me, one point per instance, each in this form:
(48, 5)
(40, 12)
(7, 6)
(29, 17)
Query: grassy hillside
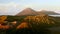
(38, 23)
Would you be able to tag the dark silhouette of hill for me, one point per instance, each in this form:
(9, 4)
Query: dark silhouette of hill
(27, 11)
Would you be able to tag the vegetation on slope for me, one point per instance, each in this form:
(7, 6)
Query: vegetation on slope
(40, 21)
(2, 19)
(37, 23)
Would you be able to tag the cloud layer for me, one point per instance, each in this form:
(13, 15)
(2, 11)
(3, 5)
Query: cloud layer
(12, 8)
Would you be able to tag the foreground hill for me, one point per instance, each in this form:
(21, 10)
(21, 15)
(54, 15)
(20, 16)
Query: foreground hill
(40, 21)
(37, 23)
(42, 18)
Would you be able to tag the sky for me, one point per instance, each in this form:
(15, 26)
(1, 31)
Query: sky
(12, 7)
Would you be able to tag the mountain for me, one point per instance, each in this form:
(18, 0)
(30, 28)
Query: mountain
(42, 18)
(40, 21)
(27, 11)
(48, 12)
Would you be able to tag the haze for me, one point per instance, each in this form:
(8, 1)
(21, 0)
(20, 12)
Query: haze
(12, 7)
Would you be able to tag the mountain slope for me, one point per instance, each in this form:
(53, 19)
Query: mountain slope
(27, 11)
(40, 21)
(48, 12)
(42, 18)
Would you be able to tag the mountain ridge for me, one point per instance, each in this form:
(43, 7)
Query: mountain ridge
(29, 11)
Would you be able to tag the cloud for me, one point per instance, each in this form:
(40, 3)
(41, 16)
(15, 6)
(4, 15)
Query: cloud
(7, 8)
(13, 8)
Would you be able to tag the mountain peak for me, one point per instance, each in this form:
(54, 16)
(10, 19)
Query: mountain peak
(27, 11)
(27, 8)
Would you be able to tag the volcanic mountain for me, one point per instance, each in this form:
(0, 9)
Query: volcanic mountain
(48, 12)
(27, 11)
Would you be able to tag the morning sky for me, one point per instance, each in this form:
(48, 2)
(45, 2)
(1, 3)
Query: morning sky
(12, 7)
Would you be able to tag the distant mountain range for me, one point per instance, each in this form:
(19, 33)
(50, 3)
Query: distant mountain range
(29, 11)
(48, 12)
